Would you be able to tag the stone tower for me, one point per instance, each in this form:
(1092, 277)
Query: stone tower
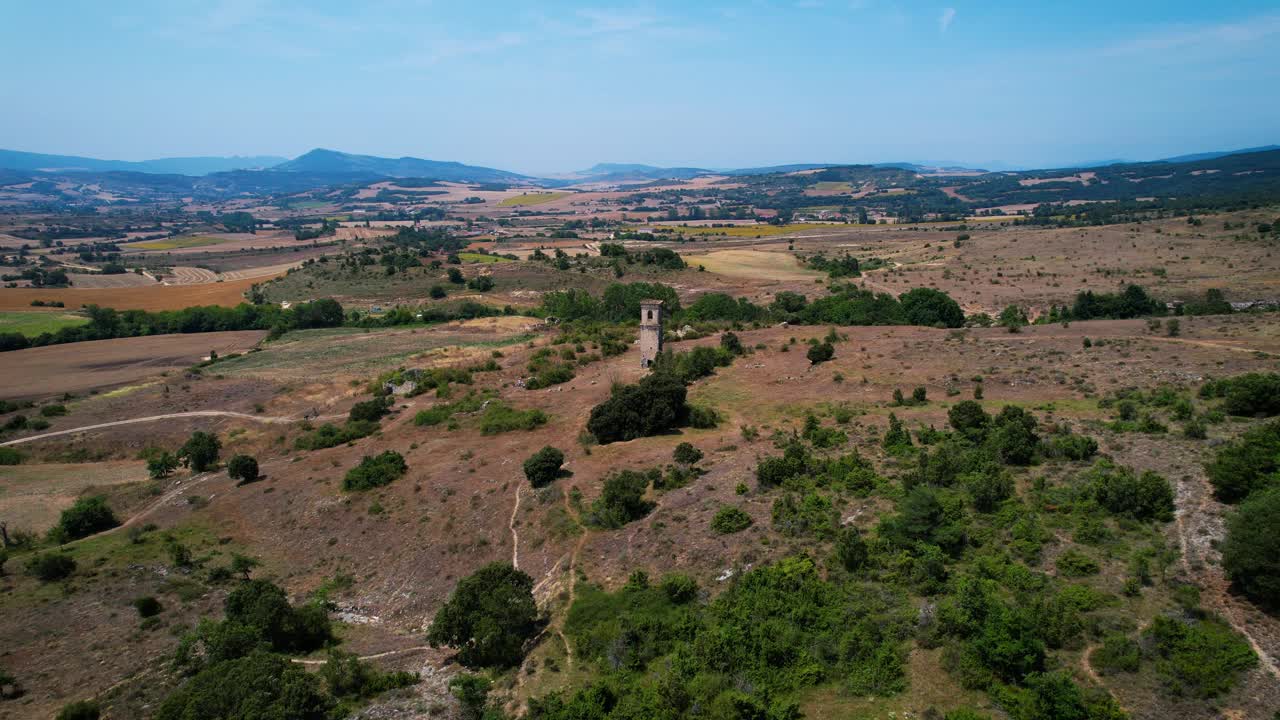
(650, 331)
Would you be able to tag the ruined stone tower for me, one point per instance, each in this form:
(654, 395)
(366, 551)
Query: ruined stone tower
(650, 331)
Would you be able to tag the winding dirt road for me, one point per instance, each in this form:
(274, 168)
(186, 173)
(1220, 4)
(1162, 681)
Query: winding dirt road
(168, 416)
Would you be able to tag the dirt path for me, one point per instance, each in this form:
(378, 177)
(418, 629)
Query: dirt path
(375, 656)
(515, 534)
(167, 416)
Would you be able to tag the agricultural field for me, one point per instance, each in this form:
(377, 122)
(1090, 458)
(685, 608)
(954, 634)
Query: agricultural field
(80, 367)
(536, 198)
(471, 257)
(34, 323)
(147, 297)
(175, 243)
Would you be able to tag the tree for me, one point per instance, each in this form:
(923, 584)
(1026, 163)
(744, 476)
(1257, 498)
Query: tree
(686, 454)
(161, 465)
(1013, 318)
(242, 468)
(488, 617)
(896, 438)
(1248, 464)
(262, 605)
(437, 292)
(654, 405)
(729, 341)
(259, 685)
(200, 452)
(48, 567)
(820, 353)
(621, 499)
(1251, 553)
(455, 276)
(1013, 435)
(86, 517)
(543, 467)
(934, 308)
(969, 419)
(851, 549)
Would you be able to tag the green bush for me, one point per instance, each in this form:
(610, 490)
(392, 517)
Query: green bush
(87, 516)
(345, 676)
(809, 515)
(53, 410)
(1125, 493)
(729, 520)
(1200, 658)
(686, 454)
(500, 417)
(543, 467)
(934, 308)
(1013, 435)
(851, 549)
(10, 456)
(80, 710)
(969, 419)
(1251, 552)
(1248, 464)
(820, 353)
(369, 410)
(1074, 563)
(1249, 395)
(264, 607)
(622, 499)
(653, 406)
(259, 685)
(488, 617)
(1118, 653)
(200, 452)
(147, 606)
(242, 468)
(329, 435)
(51, 566)
(375, 471)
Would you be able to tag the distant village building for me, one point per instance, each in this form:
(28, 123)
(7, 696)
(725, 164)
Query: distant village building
(650, 331)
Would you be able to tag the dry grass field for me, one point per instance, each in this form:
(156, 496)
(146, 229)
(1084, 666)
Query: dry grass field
(79, 367)
(149, 297)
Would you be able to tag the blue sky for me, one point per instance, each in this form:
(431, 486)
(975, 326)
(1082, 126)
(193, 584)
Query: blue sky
(556, 86)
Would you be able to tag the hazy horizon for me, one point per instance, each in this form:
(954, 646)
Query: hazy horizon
(564, 86)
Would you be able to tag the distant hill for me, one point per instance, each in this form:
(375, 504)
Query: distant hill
(321, 161)
(1196, 157)
(18, 160)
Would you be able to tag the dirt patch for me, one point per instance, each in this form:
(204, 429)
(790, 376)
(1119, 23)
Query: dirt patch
(150, 297)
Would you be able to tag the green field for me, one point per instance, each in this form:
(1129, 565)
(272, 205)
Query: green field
(482, 258)
(532, 199)
(833, 187)
(34, 323)
(188, 241)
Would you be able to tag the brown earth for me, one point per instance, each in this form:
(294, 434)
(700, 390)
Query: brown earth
(150, 297)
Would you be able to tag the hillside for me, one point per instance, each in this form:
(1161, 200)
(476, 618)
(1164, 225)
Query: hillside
(321, 161)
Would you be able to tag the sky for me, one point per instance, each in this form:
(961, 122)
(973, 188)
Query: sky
(556, 86)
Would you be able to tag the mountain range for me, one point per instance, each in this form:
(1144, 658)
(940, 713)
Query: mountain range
(323, 162)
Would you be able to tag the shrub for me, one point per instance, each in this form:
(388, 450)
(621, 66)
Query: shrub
(263, 606)
(1074, 563)
(369, 410)
(989, 487)
(53, 410)
(258, 685)
(242, 468)
(622, 499)
(654, 405)
(161, 465)
(851, 549)
(820, 353)
(1117, 654)
(80, 710)
(810, 515)
(10, 456)
(1013, 435)
(1249, 395)
(543, 466)
(1123, 492)
(1070, 446)
(969, 419)
(346, 676)
(329, 435)
(729, 520)
(86, 517)
(51, 566)
(1201, 658)
(730, 342)
(375, 471)
(934, 308)
(896, 438)
(200, 452)
(1251, 552)
(147, 606)
(1248, 464)
(500, 417)
(437, 292)
(686, 454)
(488, 617)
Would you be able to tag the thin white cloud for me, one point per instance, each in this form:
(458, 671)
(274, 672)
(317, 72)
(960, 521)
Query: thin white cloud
(945, 19)
(1185, 38)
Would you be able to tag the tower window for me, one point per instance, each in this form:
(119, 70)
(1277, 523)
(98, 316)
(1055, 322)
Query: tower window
(650, 314)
